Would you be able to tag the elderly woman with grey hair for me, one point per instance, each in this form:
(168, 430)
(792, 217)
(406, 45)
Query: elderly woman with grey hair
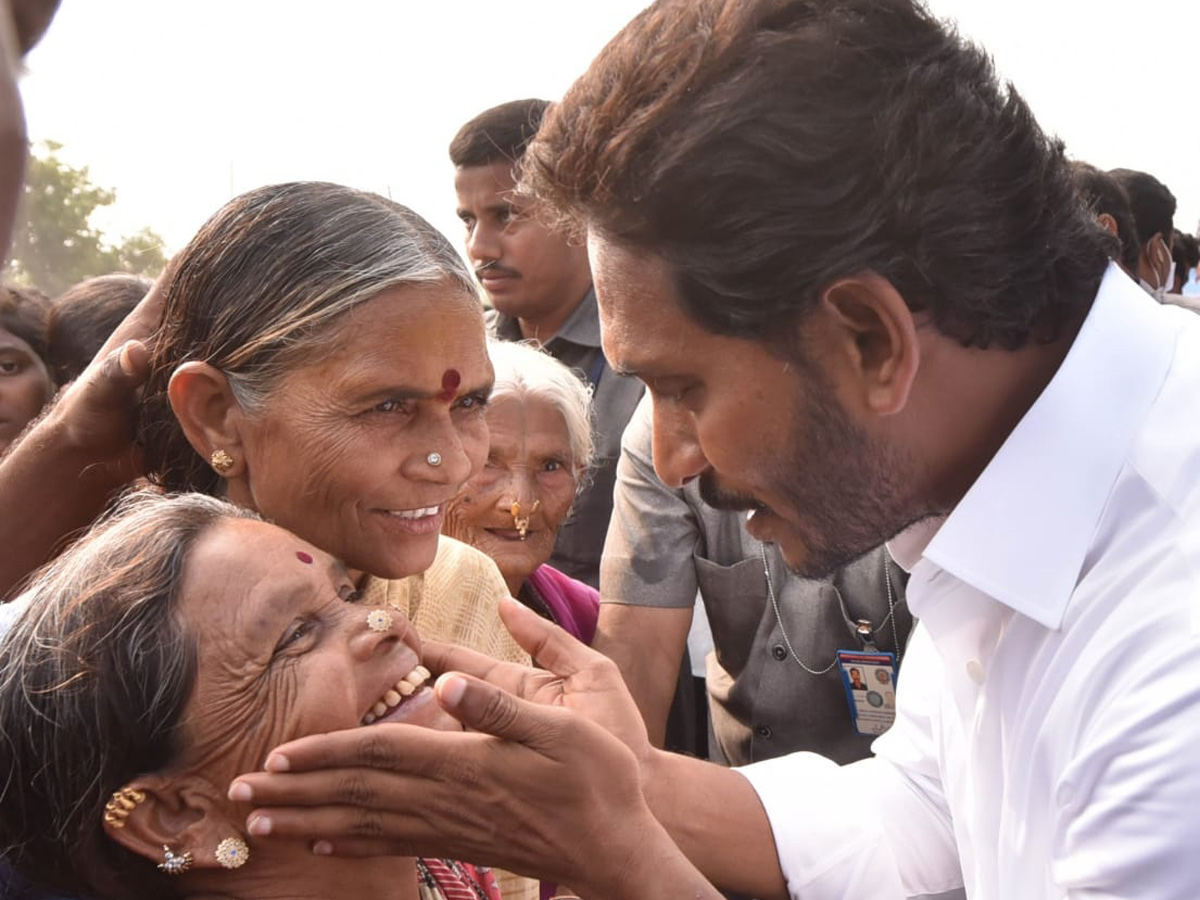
(539, 452)
(170, 649)
(322, 361)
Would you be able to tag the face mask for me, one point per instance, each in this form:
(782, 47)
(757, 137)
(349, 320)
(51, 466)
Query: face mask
(1163, 288)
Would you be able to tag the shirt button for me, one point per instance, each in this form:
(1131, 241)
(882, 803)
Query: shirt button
(975, 671)
(763, 731)
(779, 652)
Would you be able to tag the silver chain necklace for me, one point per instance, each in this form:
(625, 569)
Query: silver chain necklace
(862, 628)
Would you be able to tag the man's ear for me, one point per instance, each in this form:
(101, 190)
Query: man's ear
(874, 336)
(184, 814)
(1109, 224)
(208, 413)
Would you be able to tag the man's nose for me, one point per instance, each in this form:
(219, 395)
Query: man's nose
(483, 244)
(677, 454)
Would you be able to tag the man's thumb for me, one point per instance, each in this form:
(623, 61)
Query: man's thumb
(484, 707)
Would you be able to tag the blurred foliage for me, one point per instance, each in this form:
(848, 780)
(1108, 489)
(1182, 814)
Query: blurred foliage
(55, 245)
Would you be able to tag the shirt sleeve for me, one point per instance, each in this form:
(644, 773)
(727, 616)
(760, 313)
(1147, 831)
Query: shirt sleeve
(653, 532)
(877, 828)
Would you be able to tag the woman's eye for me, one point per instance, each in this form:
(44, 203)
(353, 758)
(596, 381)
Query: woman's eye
(552, 465)
(297, 632)
(9, 367)
(391, 406)
(472, 401)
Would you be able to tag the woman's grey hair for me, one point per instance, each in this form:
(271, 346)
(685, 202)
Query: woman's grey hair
(524, 370)
(255, 291)
(94, 677)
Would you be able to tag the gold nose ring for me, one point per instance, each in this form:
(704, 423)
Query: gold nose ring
(521, 523)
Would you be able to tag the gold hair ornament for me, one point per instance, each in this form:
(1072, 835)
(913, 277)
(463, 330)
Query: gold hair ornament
(122, 803)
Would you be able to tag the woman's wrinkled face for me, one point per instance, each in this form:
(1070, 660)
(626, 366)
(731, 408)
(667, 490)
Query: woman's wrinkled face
(529, 463)
(342, 453)
(284, 651)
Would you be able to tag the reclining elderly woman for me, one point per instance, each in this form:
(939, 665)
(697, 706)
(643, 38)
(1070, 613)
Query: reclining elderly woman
(170, 649)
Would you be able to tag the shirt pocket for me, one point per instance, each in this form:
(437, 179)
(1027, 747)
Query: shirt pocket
(735, 598)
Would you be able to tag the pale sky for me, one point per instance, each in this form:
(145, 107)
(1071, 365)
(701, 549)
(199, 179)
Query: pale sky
(179, 105)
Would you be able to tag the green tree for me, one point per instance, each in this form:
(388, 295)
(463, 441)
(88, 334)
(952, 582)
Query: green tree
(55, 244)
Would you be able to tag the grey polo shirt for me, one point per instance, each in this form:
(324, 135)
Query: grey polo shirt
(664, 545)
(577, 344)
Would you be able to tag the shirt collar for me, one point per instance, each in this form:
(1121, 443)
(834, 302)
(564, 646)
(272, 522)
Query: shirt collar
(582, 326)
(1020, 534)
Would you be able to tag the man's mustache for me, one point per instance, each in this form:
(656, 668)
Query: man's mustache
(495, 268)
(714, 496)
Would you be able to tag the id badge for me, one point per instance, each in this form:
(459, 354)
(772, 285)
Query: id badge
(870, 681)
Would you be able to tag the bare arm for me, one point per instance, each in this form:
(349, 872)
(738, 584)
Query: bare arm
(646, 643)
(714, 816)
(57, 478)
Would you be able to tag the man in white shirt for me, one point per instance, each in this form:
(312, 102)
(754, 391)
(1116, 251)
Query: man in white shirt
(868, 305)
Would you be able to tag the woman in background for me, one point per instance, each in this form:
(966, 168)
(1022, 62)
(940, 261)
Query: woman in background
(539, 452)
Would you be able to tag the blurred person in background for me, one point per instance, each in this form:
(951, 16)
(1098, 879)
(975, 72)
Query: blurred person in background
(539, 285)
(1186, 251)
(1110, 204)
(1153, 207)
(83, 317)
(25, 382)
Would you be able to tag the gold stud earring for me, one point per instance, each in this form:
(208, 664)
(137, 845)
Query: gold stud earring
(232, 853)
(221, 461)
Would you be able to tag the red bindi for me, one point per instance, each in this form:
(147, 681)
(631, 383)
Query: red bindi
(450, 382)
(304, 557)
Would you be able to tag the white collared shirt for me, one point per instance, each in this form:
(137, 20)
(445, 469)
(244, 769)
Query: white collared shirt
(1047, 739)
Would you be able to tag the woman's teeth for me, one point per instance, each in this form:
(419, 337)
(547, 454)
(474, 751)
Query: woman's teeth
(422, 513)
(404, 688)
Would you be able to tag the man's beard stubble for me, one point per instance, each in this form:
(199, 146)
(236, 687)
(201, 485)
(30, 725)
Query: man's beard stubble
(846, 493)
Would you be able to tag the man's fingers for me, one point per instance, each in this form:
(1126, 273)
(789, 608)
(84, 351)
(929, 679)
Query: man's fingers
(353, 830)
(439, 657)
(492, 710)
(550, 646)
(359, 848)
(408, 748)
(357, 786)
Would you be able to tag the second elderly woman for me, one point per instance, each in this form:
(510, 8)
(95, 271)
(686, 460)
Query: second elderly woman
(539, 454)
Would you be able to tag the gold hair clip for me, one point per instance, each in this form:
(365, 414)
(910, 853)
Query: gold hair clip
(521, 523)
(117, 810)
